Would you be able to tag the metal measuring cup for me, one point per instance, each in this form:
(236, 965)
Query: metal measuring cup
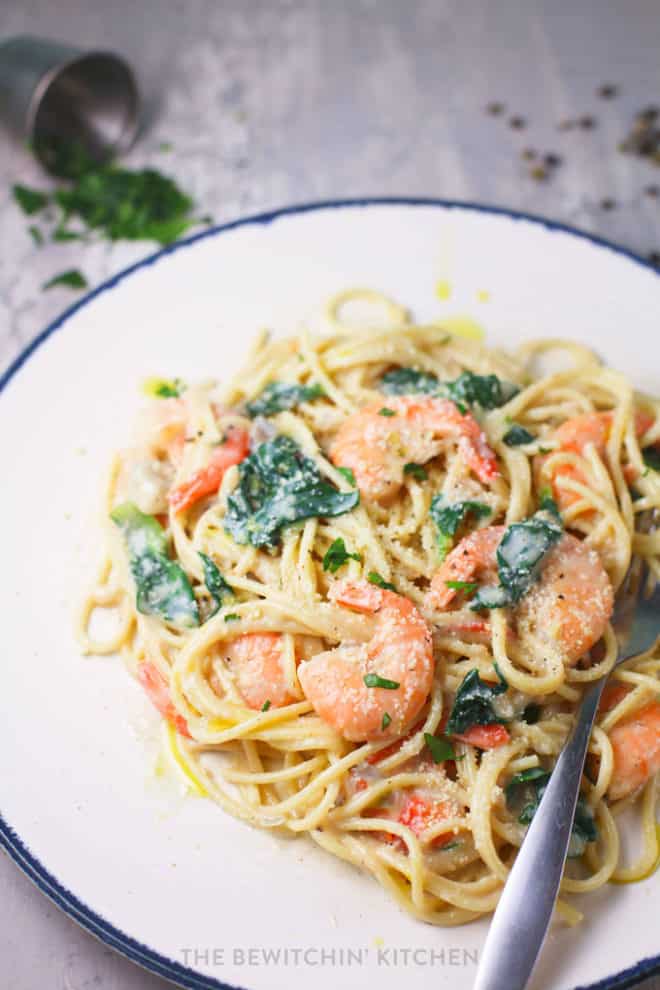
(67, 104)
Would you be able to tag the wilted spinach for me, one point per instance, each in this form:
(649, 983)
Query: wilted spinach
(473, 704)
(279, 395)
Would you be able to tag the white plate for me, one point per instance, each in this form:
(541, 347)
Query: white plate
(181, 887)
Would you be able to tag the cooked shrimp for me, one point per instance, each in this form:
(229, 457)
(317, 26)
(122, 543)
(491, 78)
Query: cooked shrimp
(636, 749)
(257, 661)
(399, 653)
(567, 609)
(574, 437)
(379, 440)
(207, 480)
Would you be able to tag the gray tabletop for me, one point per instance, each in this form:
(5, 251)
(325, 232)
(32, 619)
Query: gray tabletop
(267, 102)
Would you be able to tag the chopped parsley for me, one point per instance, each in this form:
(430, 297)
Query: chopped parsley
(216, 585)
(36, 235)
(448, 516)
(163, 388)
(517, 435)
(440, 748)
(375, 578)
(232, 617)
(467, 586)
(416, 470)
(348, 474)
(279, 395)
(651, 457)
(376, 681)
(520, 555)
(337, 555)
(386, 412)
(265, 706)
(162, 586)
(387, 719)
(473, 704)
(72, 279)
(408, 381)
(31, 201)
(278, 485)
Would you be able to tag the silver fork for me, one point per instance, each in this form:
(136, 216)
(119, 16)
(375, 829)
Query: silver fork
(521, 921)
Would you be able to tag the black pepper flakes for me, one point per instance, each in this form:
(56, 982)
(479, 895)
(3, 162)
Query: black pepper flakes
(528, 154)
(587, 123)
(607, 91)
(517, 123)
(495, 109)
(551, 160)
(654, 258)
(652, 191)
(607, 203)
(566, 124)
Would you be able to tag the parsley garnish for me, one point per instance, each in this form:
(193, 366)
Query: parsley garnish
(337, 555)
(467, 586)
(265, 706)
(375, 578)
(232, 617)
(279, 395)
(36, 235)
(416, 470)
(387, 718)
(376, 681)
(216, 585)
(473, 704)
(440, 748)
(72, 278)
(386, 412)
(517, 435)
(30, 200)
(348, 474)
(448, 516)
(163, 388)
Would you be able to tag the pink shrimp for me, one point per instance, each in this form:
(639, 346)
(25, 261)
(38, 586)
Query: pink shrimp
(257, 662)
(574, 437)
(567, 608)
(379, 440)
(207, 480)
(398, 660)
(636, 749)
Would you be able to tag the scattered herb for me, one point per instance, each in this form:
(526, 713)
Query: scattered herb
(517, 123)
(528, 154)
(643, 139)
(607, 91)
(216, 585)
(473, 704)
(31, 201)
(232, 617)
(517, 435)
(72, 279)
(337, 555)
(348, 474)
(531, 714)
(376, 681)
(265, 706)
(278, 485)
(416, 470)
(524, 793)
(449, 845)
(440, 748)
(279, 395)
(36, 235)
(62, 234)
(586, 122)
(408, 381)
(449, 516)
(539, 173)
(387, 718)
(495, 109)
(386, 412)
(519, 556)
(375, 578)
(467, 586)
(163, 388)
(651, 457)
(162, 586)
(607, 203)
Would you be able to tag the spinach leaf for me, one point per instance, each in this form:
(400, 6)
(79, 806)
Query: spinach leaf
(216, 585)
(651, 457)
(448, 516)
(408, 381)
(519, 557)
(337, 555)
(279, 395)
(278, 486)
(473, 704)
(487, 391)
(31, 201)
(162, 586)
(524, 793)
(416, 470)
(72, 279)
(440, 748)
(531, 714)
(517, 435)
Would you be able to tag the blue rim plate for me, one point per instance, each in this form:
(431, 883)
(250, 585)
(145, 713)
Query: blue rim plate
(35, 870)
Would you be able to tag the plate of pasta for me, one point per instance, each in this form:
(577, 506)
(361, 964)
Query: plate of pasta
(317, 552)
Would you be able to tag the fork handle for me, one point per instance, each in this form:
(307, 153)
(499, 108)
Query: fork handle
(525, 908)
